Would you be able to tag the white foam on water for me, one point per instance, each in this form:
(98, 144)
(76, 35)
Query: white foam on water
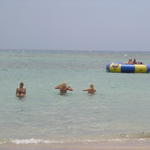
(84, 141)
(35, 141)
(141, 140)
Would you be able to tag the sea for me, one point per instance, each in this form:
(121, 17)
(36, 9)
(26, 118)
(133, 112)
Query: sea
(120, 109)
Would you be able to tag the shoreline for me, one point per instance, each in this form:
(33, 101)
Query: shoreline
(89, 146)
(125, 145)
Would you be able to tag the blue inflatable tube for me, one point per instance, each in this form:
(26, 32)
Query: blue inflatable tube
(128, 68)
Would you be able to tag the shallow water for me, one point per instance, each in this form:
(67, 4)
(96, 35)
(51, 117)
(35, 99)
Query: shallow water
(119, 109)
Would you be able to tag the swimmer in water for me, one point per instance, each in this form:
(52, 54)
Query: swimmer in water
(91, 89)
(63, 88)
(130, 61)
(21, 91)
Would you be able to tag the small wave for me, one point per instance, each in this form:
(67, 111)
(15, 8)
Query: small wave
(35, 141)
(80, 140)
(41, 141)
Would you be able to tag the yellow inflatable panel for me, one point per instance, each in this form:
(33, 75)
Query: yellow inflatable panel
(115, 67)
(140, 68)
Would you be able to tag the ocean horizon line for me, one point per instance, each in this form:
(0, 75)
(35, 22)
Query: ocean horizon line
(67, 50)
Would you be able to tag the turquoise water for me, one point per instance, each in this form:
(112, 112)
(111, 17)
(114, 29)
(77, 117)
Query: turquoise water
(119, 109)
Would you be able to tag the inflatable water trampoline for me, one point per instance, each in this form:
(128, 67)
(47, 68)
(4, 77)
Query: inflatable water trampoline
(128, 68)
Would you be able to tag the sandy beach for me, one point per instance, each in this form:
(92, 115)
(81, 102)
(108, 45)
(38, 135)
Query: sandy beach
(78, 146)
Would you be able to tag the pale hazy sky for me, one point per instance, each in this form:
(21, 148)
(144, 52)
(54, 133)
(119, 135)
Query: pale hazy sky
(75, 24)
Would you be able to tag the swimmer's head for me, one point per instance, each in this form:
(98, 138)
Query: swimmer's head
(63, 84)
(21, 84)
(91, 86)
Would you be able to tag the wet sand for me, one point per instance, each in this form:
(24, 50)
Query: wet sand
(79, 146)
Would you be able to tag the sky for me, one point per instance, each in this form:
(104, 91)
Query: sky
(75, 24)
